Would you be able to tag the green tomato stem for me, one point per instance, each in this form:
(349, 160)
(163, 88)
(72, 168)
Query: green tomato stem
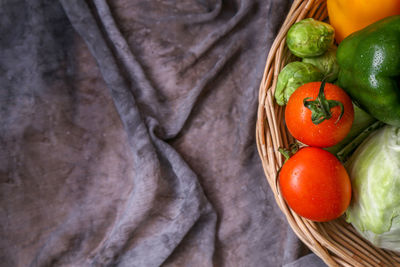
(321, 107)
(287, 153)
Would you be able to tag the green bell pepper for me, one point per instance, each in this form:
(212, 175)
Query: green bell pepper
(369, 63)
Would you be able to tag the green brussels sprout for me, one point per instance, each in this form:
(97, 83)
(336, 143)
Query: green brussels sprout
(292, 76)
(310, 38)
(326, 63)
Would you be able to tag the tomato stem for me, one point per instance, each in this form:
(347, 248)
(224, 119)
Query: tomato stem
(287, 153)
(321, 107)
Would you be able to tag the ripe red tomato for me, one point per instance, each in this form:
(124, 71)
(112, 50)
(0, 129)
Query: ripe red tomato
(299, 118)
(315, 184)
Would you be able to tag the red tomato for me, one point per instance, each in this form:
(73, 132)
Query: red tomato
(331, 130)
(315, 184)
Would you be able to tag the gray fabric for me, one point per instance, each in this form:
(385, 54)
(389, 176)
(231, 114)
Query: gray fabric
(127, 134)
(310, 260)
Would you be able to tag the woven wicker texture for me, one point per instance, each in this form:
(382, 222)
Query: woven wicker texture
(336, 242)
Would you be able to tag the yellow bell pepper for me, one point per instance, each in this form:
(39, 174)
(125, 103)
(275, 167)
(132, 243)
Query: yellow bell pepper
(348, 16)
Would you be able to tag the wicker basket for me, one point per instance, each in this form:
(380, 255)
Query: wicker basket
(336, 242)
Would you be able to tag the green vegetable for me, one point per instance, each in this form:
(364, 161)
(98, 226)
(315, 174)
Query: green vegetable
(374, 169)
(346, 151)
(326, 63)
(310, 38)
(292, 76)
(369, 63)
(361, 121)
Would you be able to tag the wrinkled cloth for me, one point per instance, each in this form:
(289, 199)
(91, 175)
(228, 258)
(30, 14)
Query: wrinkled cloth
(310, 260)
(128, 134)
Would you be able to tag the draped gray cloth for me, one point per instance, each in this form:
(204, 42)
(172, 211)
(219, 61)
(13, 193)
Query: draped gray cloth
(127, 132)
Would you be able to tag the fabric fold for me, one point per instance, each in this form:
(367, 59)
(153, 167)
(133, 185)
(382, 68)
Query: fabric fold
(127, 134)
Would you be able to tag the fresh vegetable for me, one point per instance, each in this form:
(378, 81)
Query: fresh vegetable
(292, 76)
(374, 169)
(369, 63)
(326, 63)
(348, 150)
(309, 38)
(362, 120)
(315, 184)
(348, 16)
(319, 114)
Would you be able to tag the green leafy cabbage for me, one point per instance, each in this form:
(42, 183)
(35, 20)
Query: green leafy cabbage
(374, 169)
